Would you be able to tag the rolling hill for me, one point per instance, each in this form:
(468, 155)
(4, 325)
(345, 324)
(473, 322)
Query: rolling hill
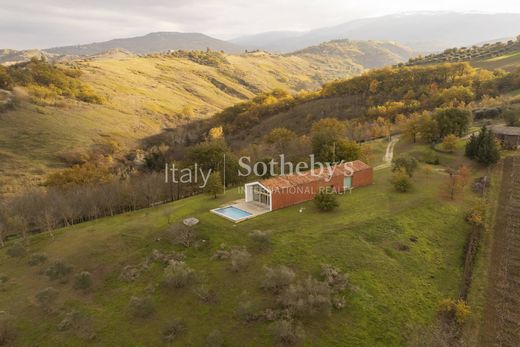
(146, 94)
(491, 56)
(423, 31)
(152, 43)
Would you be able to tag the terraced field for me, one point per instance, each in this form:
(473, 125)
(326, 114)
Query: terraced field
(503, 314)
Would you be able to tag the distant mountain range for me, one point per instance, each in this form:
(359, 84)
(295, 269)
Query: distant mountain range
(424, 31)
(154, 42)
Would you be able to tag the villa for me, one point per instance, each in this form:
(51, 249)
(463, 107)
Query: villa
(282, 191)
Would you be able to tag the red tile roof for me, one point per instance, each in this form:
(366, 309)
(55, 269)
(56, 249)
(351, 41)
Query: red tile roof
(288, 181)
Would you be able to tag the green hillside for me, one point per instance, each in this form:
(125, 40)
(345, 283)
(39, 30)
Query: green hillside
(401, 252)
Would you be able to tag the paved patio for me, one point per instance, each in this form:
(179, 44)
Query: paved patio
(253, 207)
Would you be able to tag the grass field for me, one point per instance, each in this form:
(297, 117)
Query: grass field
(395, 290)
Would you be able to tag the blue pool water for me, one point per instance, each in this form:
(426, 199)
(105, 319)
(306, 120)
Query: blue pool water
(233, 213)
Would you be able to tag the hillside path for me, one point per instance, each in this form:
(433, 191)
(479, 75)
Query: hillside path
(389, 155)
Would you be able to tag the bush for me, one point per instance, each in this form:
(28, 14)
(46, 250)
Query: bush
(326, 200)
(262, 239)
(141, 307)
(248, 311)
(456, 311)
(306, 298)
(47, 297)
(17, 250)
(178, 275)
(83, 281)
(401, 182)
(336, 280)
(181, 234)
(206, 295)
(173, 329)
(406, 164)
(277, 278)
(130, 273)
(59, 271)
(37, 259)
(215, 339)
(287, 333)
(239, 259)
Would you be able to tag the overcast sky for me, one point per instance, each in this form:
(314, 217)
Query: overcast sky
(49, 23)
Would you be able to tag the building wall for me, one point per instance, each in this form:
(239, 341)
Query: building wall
(294, 195)
(291, 196)
(363, 178)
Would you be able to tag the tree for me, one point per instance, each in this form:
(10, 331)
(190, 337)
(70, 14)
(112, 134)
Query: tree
(453, 184)
(342, 149)
(324, 134)
(483, 147)
(428, 128)
(280, 138)
(326, 200)
(449, 142)
(214, 185)
(401, 181)
(512, 118)
(452, 121)
(411, 127)
(407, 164)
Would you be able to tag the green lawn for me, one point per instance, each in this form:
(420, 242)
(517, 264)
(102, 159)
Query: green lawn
(395, 291)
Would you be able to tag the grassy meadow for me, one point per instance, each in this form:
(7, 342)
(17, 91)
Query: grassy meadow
(402, 252)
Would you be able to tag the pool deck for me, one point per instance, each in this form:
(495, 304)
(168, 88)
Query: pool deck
(254, 208)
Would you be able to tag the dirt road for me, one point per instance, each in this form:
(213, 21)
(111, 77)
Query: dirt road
(389, 155)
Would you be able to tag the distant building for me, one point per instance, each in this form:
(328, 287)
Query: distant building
(282, 191)
(509, 137)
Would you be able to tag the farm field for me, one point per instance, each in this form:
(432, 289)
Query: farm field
(402, 253)
(501, 315)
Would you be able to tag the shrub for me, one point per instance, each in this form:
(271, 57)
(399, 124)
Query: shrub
(173, 329)
(47, 297)
(215, 339)
(449, 142)
(178, 275)
(262, 239)
(277, 278)
(141, 307)
(248, 311)
(130, 273)
(206, 295)
(401, 182)
(239, 259)
(287, 333)
(83, 281)
(17, 250)
(457, 311)
(326, 200)
(59, 271)
(71, 319)
(181, 234)
(406, 164)
(336, 280)
(37, 259)
(306, 298)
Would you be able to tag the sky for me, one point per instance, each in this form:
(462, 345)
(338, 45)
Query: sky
(49, 23)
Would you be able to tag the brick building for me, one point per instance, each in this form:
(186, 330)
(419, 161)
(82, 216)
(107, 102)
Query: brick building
(282, 191)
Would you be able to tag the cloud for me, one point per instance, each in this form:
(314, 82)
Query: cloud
(49, 23)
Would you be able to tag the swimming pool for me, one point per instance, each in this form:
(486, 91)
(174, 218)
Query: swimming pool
(232, 213)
